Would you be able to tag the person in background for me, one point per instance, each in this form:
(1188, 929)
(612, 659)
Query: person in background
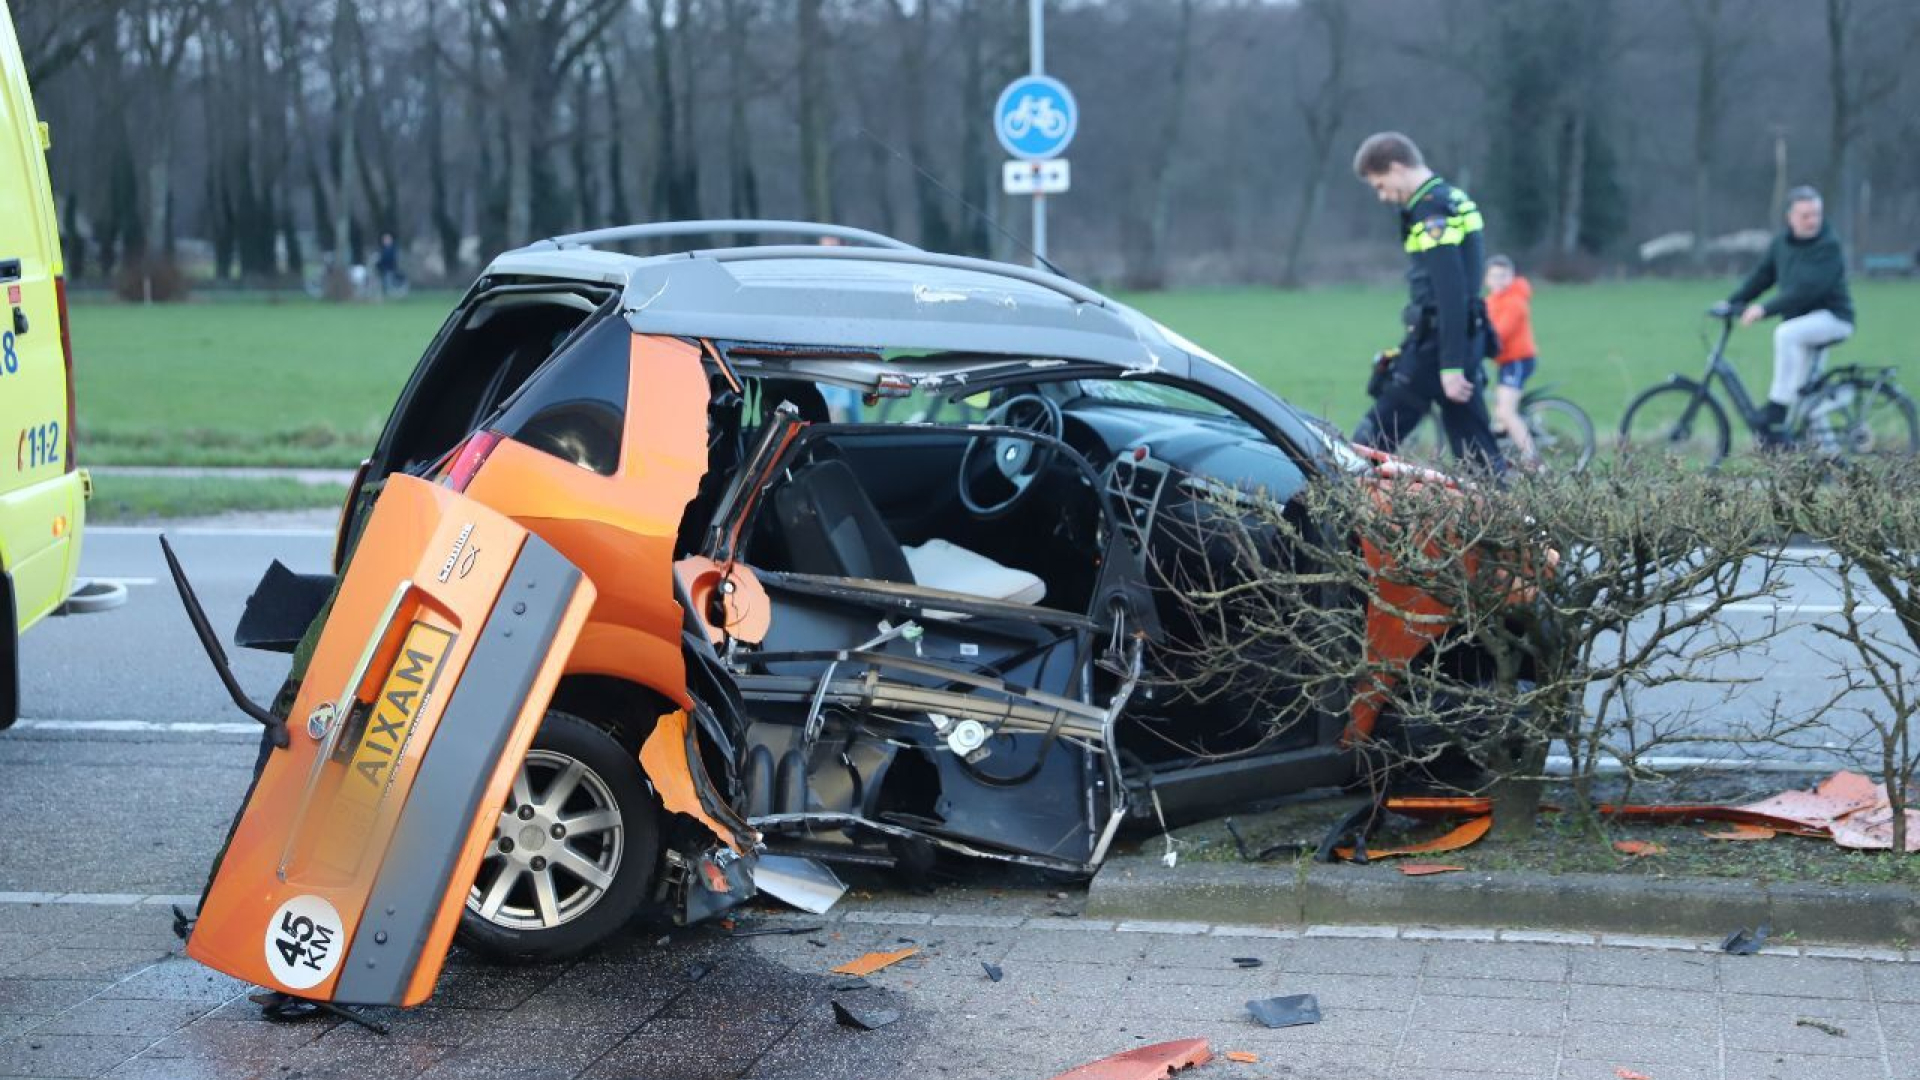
(1510, 311)
(1809, 268)
(387, 264)
(1438, 362)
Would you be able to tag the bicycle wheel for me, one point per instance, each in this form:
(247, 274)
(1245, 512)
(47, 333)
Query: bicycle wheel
(1861, 418)
(1678, 421)
(1562, 433)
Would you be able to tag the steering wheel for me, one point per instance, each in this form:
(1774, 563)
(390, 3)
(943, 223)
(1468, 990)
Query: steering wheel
(1017, 461)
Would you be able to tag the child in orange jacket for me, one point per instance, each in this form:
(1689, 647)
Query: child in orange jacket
(1509, 309)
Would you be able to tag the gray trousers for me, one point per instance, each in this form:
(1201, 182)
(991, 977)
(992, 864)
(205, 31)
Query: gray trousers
(1797, 343)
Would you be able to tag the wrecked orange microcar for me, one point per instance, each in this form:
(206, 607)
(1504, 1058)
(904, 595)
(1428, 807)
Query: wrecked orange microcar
(666, 565)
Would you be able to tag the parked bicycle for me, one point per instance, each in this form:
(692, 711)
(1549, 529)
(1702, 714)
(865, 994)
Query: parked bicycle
(1563, 438)
(1849, 411)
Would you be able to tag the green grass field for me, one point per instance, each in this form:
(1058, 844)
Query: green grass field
(120, 499)
(296, 382)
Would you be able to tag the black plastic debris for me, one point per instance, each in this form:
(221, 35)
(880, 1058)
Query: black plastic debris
(1247, 854)
(1246, 961)
(1834, 1030)
(845, 985)
(1745, 942)
(183, 923)
(864, 1019)
(286, 1009)
(993, 971)
(1283, 1012)
(768, 931)
(697, 972)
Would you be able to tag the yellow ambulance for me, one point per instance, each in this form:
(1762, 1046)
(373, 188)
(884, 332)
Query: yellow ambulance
(42, 494)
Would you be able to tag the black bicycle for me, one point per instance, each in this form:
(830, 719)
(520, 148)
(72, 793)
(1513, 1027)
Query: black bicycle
(1848, 411)
(1562, 432)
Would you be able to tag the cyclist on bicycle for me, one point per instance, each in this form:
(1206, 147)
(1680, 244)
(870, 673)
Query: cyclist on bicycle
(1808, 271)
(1510, 311)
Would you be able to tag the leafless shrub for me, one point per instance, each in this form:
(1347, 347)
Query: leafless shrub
(1868, 514)
(155, 280)
(1484, 624)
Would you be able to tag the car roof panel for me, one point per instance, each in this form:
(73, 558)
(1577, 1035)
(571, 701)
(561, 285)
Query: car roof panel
(865, 298)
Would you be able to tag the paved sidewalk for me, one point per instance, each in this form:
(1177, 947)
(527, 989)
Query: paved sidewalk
(92, 989)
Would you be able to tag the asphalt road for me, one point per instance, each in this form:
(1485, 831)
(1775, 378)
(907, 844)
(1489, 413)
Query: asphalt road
(131, 760)
(118, 787)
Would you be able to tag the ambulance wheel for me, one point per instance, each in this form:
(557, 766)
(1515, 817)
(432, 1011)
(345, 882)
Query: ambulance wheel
(573, 853)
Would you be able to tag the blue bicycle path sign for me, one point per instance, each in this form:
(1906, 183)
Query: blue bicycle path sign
(1035, 117)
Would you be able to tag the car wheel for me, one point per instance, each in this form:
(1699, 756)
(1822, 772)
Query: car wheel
(574, 852)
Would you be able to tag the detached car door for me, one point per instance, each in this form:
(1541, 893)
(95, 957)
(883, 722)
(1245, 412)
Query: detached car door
(346, 872)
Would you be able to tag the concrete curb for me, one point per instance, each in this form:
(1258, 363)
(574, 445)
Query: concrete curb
(1280, 895)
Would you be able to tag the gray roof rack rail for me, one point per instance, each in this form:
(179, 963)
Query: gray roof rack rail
(659, 230)
(909, 256)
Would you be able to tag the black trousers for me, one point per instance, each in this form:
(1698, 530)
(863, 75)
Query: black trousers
(1401, 406)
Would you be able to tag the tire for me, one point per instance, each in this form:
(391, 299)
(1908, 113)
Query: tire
(1562, 433)
(1657, 422)
(592, 891)
(1861, 419)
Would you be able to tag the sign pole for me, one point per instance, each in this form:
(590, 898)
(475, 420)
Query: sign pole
(1037, 50)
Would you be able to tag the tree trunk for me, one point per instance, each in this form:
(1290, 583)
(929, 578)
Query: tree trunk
(975, 169)
(816, 171)
(446, 227)
(618, 211)
(666, 126)
(1322, 116)
(1573, 179)
(1706, 122)
(1840, 103)
(1151, 271)
(916, 33)
(743, 190)
(520, 130)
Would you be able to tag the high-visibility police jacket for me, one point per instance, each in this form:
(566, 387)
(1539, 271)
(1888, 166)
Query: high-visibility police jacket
(1446, 256)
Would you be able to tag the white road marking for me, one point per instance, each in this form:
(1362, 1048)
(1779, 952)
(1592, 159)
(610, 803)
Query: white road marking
(1558, 764)
(100, 899)
(1757, 608)
(141, 727)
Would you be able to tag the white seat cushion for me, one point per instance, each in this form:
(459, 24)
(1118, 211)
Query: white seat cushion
(939, 564)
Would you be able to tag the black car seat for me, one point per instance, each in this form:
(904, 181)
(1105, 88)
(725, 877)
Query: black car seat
(833, 529)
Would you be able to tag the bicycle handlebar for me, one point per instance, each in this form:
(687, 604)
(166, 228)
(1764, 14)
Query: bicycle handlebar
(1723, 311)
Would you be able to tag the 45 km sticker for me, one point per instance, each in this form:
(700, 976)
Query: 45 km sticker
(303, 942)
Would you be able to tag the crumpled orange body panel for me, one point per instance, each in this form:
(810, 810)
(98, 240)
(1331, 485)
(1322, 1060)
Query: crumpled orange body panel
(621, 530)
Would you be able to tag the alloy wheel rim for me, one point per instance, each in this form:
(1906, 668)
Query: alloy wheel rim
(556, 847)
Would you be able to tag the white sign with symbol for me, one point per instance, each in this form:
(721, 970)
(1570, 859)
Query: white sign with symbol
(1035, 117)
(1049, 177)
(304, 942)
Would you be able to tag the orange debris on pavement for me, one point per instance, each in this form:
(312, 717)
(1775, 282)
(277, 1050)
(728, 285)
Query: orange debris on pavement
(873, 961)
(1739, 831)
(1145, 1063)
(1466, 834)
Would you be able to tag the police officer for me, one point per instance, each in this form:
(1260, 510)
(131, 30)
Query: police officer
(1447, 337)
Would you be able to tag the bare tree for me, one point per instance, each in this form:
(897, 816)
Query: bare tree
(1322, 107)
(1854, 90)
(537, 42)
(1471, 629)
(1865, 513)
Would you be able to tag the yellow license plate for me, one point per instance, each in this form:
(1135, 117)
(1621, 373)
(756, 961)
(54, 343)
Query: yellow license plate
(384, 744)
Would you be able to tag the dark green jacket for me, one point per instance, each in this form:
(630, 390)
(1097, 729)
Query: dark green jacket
(1811, 275)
